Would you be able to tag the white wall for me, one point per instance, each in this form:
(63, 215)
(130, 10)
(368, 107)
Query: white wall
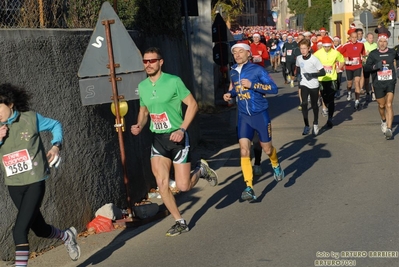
(201, 41)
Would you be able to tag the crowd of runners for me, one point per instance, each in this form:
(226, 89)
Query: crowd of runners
(327, 58)
(316, 62)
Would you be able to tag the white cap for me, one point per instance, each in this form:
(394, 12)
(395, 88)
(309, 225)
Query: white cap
(241, 45)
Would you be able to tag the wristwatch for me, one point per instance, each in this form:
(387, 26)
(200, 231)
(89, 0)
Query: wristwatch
(58, 144)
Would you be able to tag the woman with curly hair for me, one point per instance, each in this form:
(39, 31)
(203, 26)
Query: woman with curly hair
(26, 167)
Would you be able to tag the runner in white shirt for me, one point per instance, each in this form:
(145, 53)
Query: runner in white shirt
(310, 68)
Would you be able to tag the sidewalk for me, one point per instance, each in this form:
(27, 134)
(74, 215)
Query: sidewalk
(218, 145)
(217, 132)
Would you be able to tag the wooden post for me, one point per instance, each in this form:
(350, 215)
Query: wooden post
(41, 14)
(116, 6)
(115, 98)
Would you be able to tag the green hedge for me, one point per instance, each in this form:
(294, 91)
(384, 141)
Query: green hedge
(151, 17)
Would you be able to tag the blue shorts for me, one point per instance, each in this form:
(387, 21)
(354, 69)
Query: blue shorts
(247, 125)
(273, 55)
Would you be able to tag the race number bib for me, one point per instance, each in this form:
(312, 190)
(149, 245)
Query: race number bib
(289, 52)
(257, 59)
(160, 121)
(384, 75)
(355, 61)
(282, 59)
(328, 69)
(17, 162)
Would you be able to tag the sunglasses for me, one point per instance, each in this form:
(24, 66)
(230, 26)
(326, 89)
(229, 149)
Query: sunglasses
(145, 61)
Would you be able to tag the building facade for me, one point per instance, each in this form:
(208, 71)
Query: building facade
(265, 13)
(346, 12)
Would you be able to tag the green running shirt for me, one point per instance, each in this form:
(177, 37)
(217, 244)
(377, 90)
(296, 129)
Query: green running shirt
(370, 47)
(163, 100)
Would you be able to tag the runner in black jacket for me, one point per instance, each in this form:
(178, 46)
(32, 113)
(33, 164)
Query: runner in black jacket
(380, 63)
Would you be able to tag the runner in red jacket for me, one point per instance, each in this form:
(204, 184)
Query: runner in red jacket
(353, 51)
(259, 51)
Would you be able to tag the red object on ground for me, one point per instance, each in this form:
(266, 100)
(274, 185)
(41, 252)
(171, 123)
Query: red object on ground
(101, 224)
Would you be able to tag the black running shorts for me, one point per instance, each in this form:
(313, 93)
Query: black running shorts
(381, 91)
(350, 74)
(162, 146)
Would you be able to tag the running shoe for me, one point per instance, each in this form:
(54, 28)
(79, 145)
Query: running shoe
(315, 129)
(278, 173)
(306, 130)
(330, 123)
(388, 134)
(383, 127)
(248, 194)
(372, 96)
(207, 173)
(324, 111)
(357, 104)
(300, 108)
(71, 245)
(257, 170)
(292, 84)
(349, 97)
(177, 229)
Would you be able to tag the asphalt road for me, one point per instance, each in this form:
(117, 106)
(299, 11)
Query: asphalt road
(337, 206)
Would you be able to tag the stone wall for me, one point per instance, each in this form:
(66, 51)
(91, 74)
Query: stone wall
(46, 62)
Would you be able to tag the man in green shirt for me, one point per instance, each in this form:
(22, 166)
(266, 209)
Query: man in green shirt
(161, 97)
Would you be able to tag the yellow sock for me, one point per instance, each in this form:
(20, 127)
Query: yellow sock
(246, 168)
(273, 158)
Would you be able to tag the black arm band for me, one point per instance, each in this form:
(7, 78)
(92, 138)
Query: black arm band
(58, 144)
(321, 72)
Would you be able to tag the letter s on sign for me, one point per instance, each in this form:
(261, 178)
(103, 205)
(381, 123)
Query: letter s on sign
(98, 43)
(90, 93)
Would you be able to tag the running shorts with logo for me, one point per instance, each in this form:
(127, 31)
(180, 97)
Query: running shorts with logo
(260, 122)
(162, 146)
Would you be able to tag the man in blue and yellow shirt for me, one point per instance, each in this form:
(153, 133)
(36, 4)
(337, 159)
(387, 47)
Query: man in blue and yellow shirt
(249, 84)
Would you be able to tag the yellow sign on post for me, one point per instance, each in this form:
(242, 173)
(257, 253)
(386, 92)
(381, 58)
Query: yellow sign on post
(123, 108)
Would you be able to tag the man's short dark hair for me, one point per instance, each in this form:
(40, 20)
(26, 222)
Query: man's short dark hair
(154, 50)
(305, 42)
